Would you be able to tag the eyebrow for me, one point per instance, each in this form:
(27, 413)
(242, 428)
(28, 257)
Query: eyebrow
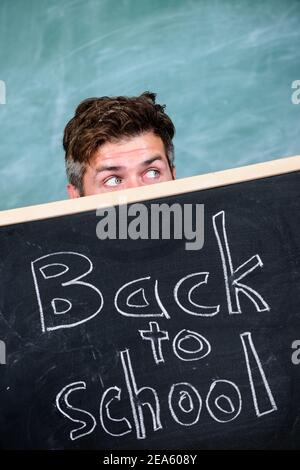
(118, 168)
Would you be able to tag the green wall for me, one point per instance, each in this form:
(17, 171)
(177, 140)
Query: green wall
(224, 69)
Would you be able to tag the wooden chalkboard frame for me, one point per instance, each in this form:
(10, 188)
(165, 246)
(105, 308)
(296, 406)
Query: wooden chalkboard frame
(156, 191)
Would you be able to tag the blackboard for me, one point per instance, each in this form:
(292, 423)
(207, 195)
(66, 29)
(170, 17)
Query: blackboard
(220, 370)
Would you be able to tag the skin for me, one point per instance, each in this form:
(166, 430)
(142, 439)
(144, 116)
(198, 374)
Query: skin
(137, 161)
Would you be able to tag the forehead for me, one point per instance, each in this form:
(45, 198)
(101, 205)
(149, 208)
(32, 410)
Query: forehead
(130, 150)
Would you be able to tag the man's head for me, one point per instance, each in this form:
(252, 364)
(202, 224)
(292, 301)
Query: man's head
(118, 143)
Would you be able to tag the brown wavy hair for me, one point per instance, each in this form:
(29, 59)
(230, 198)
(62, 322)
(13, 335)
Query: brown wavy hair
(110, 119)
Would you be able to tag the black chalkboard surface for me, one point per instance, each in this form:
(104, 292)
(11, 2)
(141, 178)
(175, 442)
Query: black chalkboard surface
(142, 344)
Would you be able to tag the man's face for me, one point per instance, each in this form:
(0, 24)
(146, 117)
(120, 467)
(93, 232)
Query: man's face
(137, 161)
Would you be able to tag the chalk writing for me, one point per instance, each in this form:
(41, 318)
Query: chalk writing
(58, 283)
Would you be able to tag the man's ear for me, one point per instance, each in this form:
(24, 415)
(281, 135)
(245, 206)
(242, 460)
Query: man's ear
(72, 191)
(174, 172)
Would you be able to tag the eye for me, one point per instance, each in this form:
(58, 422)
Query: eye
(153, 173)
(113, 181)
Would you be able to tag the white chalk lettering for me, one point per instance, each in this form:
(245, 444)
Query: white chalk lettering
(142, 307)
(139, 398)
(113, 426)
(226, 406)
(156, 336)
(185, 403)
(255, 370)
(183, 296)
(59, 304)
(233, 276)
(47, 286)
(201, 350)
(88, 423)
